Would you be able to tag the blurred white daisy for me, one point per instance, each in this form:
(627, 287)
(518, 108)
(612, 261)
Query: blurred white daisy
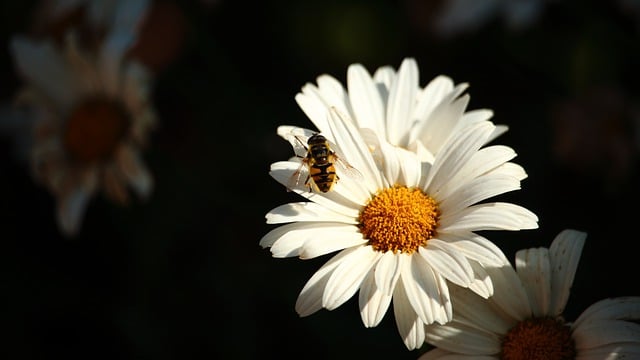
(523, 319)
(92, 114)
(98, 16)
(463, 16)
(394, 106)
(402, 230)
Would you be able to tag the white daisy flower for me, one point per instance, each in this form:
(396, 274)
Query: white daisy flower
(523, 319)
(92, 115)
(464, 16)
(101, 15)
(403, 229)
(394, 106)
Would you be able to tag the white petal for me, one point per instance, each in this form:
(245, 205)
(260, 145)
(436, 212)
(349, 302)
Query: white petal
(293, 242)
(348, 276)
(419, 285)
(605, 332)
(115, 184)
(421, 289)
(372, 301)
(327, 242)
(365, 98)
(474, 191)
(410, 327)
(333, 93)
(310, 298)
(440, 354)
(387, 272)
(401, 100)
(482, 162)
(621, 308)
(315, 101)
(509, 292)
(45, 68)
(281, 171)
(442, 307)
(490, 216)
(411, 169)
(499, 130)
(290, 245)
(455, 153)
(482, 284)
(513, 170)
(272, 236)
(422, 152)
(478, 115)
(443, 121)
(83, 71)
(111, 62)
(136, 88)
(615, 351)
(460, 338)
(475, 247)
(384, 76)
(478, 311)
(306, 211)
(447, 262)
(564, 254)
(72, 205)
(534, 269)
(123, 35)
(432, 95)
(312, 104)
(289, 133)
(134, 171)
(436, 354)
(384, 155)
(351, 143)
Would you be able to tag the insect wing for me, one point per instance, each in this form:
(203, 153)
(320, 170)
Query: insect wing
(299, 177)
(347, 169)
(297, 137)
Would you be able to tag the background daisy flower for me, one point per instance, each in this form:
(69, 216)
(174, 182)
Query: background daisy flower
(456, 17)
(402, 230)
(92, 114)
(394, 105)
(97, 17)
(158, 26)
(524, 317)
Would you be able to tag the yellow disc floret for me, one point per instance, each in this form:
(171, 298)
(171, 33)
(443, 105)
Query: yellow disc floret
(543, 338)
(94, 129)
(399, 219)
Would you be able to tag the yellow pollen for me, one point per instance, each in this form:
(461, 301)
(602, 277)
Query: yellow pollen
(399, 219)
(94, 129)
(537, 339)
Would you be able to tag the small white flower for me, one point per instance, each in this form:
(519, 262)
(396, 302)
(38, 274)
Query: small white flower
(394, 106)
(404, 229)
(523, 319)
(92, 115)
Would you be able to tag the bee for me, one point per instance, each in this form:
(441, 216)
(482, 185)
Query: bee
(317, 169)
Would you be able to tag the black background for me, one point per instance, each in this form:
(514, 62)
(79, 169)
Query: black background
(182, 275)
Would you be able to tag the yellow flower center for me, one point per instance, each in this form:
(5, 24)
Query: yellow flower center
(399, 219)
(537, 339)
(94, 129)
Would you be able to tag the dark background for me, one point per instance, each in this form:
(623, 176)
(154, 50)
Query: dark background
(182, 275)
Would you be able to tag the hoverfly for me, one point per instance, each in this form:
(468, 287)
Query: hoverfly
(317, 169)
